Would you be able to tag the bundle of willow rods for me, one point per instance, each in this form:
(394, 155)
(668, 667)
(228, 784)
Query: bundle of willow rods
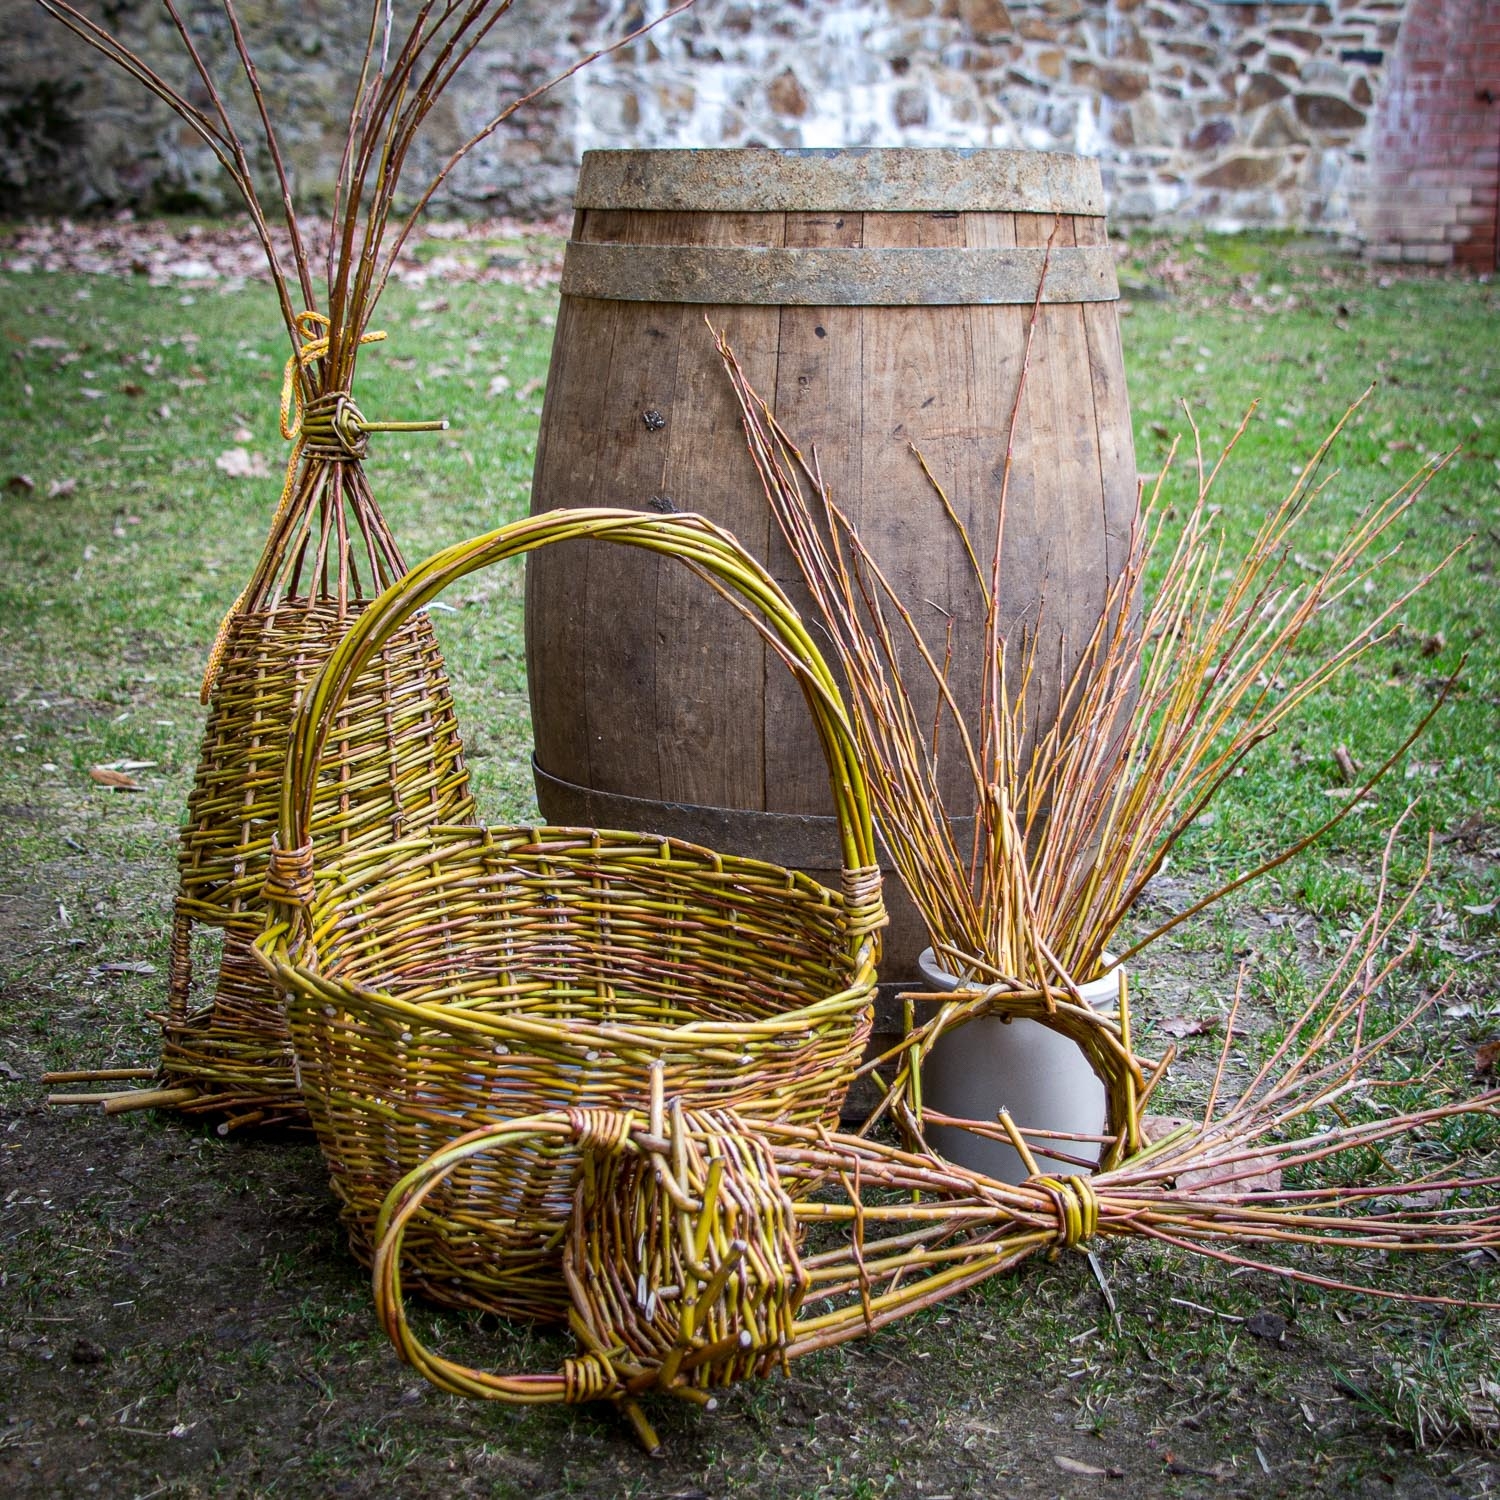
(394, 765)
(1170, 695)
(686, 1259)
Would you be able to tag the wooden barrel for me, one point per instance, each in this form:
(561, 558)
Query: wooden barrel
(878, 299)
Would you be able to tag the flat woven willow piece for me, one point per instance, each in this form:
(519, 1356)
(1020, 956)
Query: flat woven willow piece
(691, 1263)
(1104, 1038)
(462, 974)
(696, 1256)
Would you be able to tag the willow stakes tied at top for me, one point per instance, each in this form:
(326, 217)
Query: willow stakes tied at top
(397, 764)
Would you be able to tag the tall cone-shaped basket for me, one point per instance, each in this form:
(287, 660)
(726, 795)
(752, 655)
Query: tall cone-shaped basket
(393, 765)
(393, 768)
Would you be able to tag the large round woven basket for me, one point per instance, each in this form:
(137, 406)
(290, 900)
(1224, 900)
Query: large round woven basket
(464, 976)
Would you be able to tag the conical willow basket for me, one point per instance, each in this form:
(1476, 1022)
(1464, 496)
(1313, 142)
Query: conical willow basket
(391, 766)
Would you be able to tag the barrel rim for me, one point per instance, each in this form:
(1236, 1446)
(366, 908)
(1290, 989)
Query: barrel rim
(855, 179)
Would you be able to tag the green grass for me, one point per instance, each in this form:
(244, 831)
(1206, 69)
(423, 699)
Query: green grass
(109, 595)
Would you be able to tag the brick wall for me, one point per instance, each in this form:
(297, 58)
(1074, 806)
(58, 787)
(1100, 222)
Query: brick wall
(1435, 155)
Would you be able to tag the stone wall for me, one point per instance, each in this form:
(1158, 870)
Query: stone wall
(1202, 111)
(77, 135)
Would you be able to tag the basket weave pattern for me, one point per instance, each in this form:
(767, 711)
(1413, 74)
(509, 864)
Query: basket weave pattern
(393, 765)
(505, 974)
(464, 975)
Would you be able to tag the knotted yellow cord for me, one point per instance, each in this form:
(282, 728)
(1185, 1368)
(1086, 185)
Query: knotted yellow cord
(293, 404)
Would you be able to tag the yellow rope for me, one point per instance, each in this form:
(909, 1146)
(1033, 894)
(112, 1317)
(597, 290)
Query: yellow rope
(293, 404)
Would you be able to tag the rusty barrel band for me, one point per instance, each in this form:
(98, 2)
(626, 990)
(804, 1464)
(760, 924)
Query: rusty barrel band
(799, 841)
(867, 179)
(836, 277)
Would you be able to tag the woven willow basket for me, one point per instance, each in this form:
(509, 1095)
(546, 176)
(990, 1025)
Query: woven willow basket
(463, 976)
(392, 764)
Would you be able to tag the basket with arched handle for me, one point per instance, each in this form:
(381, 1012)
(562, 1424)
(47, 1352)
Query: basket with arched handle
(467, 975)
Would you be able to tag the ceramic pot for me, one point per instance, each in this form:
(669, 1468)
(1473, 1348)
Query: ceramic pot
(1044, 1080)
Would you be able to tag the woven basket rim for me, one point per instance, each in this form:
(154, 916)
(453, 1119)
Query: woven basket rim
(317, 990)
(330, 880)
(580, 1032)
(506, 838)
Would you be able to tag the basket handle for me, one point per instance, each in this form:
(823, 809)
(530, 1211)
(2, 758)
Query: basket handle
(401, 1203)
(710, 552)
(583, 1377)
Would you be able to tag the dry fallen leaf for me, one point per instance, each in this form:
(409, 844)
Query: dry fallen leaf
(1421, 1200)
(1468, 831)
(1217, 1179)
(1189, 1025)
(60, 489)
(105, 776)
(240, 463)
(1178, 1466)
(1487, 1059)
(20, 484)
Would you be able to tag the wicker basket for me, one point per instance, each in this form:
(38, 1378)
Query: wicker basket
(392, 765)
(465, 975)
(383, 773)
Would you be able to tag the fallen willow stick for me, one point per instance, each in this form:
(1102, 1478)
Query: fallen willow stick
(102, 1075)
(168, 1098)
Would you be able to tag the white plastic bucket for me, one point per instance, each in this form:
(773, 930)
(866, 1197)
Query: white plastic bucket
(1039, 1075)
